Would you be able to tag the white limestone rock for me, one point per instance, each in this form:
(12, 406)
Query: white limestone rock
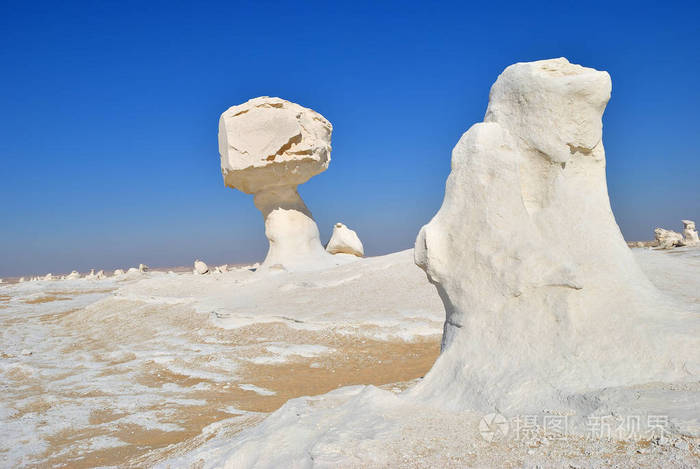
(118, 273)
(133, 270)
(100, 275)
(143, 268)
(544, 301)
(667, 239)
(21, 280)
(268, 147)
(222, 269)
(345, 241)
(48, 276)
(200, 268)
(73, 275)
(690, 234)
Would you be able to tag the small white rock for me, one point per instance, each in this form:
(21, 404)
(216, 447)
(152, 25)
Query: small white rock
(200, 268)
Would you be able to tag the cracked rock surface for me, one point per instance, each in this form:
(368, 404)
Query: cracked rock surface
(268, 142)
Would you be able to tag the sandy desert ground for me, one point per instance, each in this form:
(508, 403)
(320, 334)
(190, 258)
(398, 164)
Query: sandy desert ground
(169, 368)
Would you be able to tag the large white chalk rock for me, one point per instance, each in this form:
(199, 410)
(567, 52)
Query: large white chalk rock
(690, 234)
(269, 146)
(345, 241)
(667, 239)
(543, 299)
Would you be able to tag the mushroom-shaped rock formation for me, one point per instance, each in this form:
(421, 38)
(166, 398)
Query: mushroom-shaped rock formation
(667, 239)
(200, 268)
(345, 241)
(544, 301)
(690, 234)
(268, 147)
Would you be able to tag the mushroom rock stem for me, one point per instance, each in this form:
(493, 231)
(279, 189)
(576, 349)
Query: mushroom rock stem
(291, 230)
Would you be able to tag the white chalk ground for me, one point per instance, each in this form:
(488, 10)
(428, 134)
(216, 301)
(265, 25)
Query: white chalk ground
(653, 425)
(79, 361)
(88, 365)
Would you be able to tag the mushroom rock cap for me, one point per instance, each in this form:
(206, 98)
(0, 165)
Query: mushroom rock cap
(267, 142)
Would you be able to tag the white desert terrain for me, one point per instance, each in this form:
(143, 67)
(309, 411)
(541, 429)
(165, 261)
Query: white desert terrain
(170, 368)
(521, 331)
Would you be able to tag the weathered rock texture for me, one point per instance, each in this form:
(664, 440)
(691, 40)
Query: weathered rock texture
(543, 299)
(268, 147)
(345, 241)
(690, 234)
(667, 239)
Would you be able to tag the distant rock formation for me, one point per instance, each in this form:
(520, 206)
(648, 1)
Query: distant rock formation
(690, 234)
(118, 273)
(143, 268)
(667, 239)
(544, 301)
(73, 275)
(222, 269)
(345, 241)
(200, 268)
(268, 147)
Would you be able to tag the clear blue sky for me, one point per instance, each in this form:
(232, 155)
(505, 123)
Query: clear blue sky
(108, 123)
